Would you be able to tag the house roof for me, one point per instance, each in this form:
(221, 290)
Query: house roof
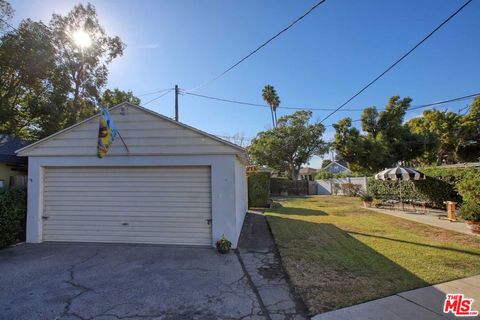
(8, 145)
(241, 151)
(340, 163)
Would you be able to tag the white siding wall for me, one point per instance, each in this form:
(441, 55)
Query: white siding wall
(241, 201)
(144, 134)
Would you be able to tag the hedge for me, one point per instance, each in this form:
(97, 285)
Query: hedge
(258, 189)
(12, 215)
(431, 190)
(469, 186)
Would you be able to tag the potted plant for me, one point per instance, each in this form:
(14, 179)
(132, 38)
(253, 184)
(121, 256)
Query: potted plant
(223, 245)
(367, 200)
(470, 212)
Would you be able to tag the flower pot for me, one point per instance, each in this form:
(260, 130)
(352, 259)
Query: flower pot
(223, 250)
(473, 225)
(367, 204)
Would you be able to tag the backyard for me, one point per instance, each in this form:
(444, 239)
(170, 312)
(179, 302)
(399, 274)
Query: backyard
(339, 254)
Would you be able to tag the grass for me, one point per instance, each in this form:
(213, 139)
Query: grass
(338, 254)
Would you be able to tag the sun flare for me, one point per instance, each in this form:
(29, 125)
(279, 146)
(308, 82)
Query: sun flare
(81, 38)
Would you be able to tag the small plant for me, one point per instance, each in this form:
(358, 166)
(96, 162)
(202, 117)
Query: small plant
(470, 211)
(223, 245)
(366, 197)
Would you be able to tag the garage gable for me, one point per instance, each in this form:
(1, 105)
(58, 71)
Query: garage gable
(144, 132)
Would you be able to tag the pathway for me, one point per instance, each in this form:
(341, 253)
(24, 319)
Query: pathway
(433, 220)
(424, 303)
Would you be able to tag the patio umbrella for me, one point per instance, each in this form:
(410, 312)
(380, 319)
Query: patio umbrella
(400, 173)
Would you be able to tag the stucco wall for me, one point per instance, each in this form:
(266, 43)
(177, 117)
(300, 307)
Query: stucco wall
(240, 194)
(226, 214)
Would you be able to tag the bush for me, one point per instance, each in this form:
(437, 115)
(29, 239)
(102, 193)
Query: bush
(469, 186)
(367, 197)
(350, 189)
(450, 175)
(431, 190)
(258, 189)
(470, 211)
(12, 215)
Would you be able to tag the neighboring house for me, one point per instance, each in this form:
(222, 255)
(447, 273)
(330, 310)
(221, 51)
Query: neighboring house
(13, 169)
(176, 185)
(337, 166)
(307, 174)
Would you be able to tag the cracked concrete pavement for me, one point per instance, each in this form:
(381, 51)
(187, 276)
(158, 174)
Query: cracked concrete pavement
(261, 261)
(109, 281)
(105, 282)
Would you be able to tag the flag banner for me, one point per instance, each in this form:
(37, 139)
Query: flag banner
(106, 133)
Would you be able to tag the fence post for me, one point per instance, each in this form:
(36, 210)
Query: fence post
(366, 183)
(331, 186)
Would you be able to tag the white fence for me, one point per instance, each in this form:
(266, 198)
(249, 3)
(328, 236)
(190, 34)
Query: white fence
(327, 186)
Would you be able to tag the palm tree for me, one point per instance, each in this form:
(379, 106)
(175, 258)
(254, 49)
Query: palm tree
(271, 98)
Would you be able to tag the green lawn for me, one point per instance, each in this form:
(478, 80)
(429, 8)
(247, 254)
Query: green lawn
(338, 254)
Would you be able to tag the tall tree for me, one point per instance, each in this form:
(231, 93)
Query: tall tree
(385, 141)
(271, 97)
(85, 63)
(23, 75)
(291, 144)
(6, 14)
(116, 96)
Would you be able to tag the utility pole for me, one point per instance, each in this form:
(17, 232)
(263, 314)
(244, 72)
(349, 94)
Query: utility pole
(176, 102)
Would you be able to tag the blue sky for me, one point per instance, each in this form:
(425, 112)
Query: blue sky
(320, 62)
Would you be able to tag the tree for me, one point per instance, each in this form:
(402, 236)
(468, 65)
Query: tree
(385, 142)
(6, 14)
(326, 162)
(24, 75)
(116, 96)
(270, 96)
(86, 67)
(289, 145)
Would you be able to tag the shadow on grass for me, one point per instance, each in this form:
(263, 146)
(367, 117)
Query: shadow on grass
(279, 208)
(415, 243)
(331, 269)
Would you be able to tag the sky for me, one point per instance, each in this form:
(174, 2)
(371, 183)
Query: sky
(319, 63)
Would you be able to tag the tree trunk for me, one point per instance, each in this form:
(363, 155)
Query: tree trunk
(275, 115)
(273, 119)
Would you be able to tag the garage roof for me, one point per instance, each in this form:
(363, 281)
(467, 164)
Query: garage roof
(145, 132)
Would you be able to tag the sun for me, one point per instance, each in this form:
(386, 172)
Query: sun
(81, 38)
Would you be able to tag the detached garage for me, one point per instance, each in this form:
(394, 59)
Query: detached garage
(173, 185)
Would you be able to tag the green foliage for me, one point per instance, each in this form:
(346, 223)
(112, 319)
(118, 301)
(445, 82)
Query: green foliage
(431, 190)
(53, 83)
(469, 186)
(111, 98)
(292, 143)
(258, 189)
(12, 214)
(385, 140)
(450, 175)
(470, 211)
(270, 96)
(367, 197)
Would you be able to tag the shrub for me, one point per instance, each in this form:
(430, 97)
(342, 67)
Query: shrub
(469, 186)
(450, 175)
(258, 189)
(431, 190)
(12, 215)
(350, 189)
(367, 197)
(470, 211)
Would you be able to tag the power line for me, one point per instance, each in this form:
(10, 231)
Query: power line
(8, 24)
(153, 92)
(261, 105)
(398, 61)
(164, 94)
(431, 104)
(260, 47)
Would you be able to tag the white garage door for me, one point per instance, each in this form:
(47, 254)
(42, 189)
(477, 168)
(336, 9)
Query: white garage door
(163, 205)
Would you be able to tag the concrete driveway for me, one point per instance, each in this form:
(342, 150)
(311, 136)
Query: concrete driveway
(93, 281)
